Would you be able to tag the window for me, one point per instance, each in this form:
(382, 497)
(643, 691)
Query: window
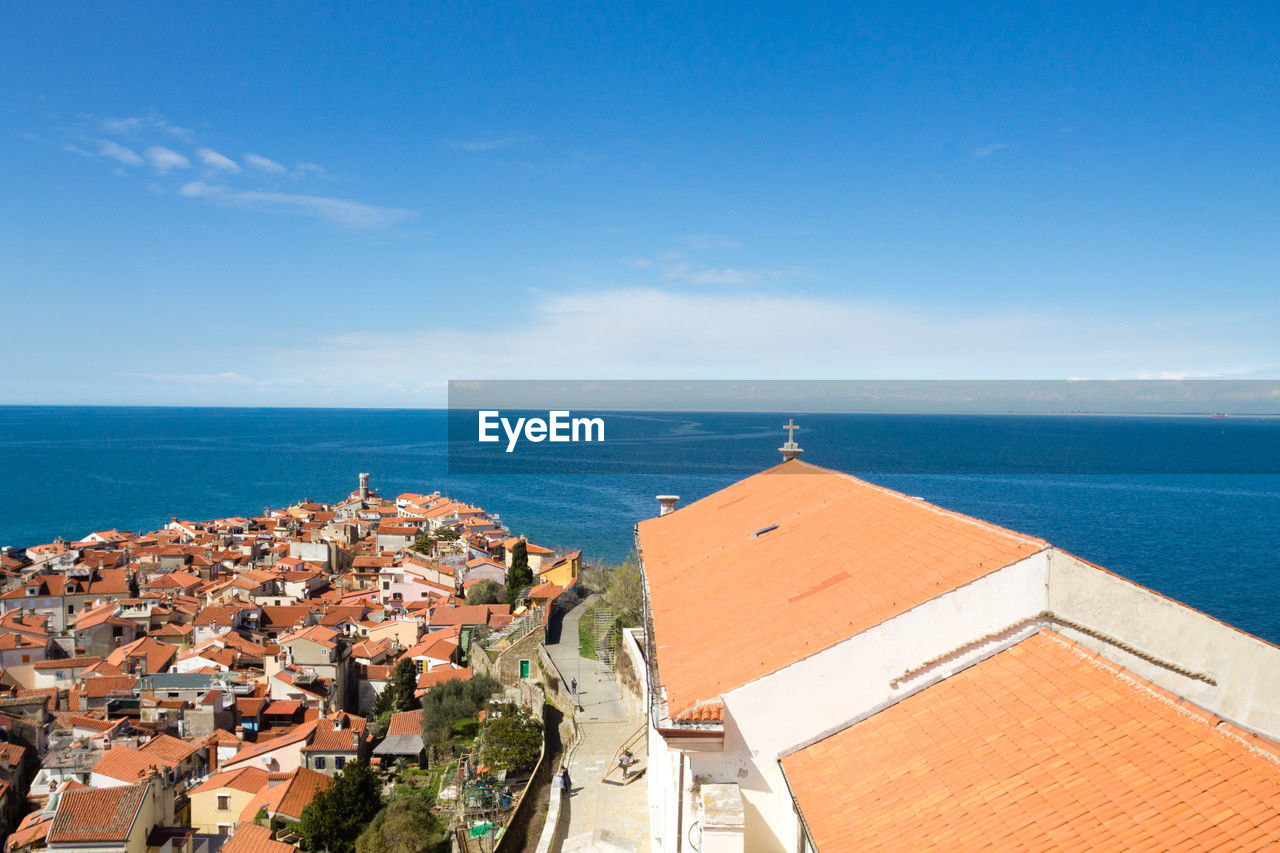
(224, 829)
(319, 762)
(71, 608)
(339, 762)
(224, 802)
(26, 658)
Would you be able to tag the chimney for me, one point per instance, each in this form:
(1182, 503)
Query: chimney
(364, 487)
(667, 504)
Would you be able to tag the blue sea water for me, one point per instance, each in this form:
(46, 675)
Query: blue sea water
(1187, 506)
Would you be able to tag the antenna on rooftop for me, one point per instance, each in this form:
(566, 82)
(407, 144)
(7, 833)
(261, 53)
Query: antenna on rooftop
(790, 450)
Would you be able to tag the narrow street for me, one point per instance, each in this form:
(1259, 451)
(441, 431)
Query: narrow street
(603, 815)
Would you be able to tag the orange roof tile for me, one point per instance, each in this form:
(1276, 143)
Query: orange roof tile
(287, 793)
(252, 838)
(250, 779)
(440, 675)
(130, 765)
(893, 552)
(405, 723)
(1044, 746)
(171, 748)
(96, 814)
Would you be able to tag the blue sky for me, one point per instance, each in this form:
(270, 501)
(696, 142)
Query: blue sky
(273, 204)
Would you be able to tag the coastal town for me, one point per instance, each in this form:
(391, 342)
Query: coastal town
(197, 687)
(802, 660)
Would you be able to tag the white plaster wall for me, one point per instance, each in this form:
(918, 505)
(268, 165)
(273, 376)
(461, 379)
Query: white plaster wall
(663, 776)
(1246, 669)
(824, 693)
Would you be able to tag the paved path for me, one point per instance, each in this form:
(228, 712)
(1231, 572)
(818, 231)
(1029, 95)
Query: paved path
(602, 815)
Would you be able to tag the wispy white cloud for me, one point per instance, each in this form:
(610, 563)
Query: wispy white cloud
(673, 267)
(264, 164)
(349, 214)
(216, 160)
(484, 143)
(314, 170)
(992, 148)
(660, 333)
(119, 153)
(646, 332)
(247, 184)
(137, 125)
(166, 159)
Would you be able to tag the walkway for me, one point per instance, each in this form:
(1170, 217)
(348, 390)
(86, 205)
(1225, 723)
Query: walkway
(602, 815)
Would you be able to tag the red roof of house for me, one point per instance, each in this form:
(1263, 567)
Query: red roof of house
(853, 555)
(251, 838)
(96, 814)
(1043, 746)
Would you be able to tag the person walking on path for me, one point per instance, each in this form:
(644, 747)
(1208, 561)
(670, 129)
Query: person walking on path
(564, 780)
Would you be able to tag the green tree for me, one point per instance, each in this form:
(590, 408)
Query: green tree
(518, 576)
(486, 592)
(398, 694)
(451, 701)
(406, 825)
(337, 815)
(423, 544)
(512, 741)
(624, 592)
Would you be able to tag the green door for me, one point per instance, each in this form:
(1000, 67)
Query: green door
(524, 669)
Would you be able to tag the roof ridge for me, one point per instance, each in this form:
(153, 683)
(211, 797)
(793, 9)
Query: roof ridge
(940, 510)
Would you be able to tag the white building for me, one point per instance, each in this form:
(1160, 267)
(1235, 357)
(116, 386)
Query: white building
(814, 644)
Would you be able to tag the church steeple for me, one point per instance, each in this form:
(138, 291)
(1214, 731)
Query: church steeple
(790, 450)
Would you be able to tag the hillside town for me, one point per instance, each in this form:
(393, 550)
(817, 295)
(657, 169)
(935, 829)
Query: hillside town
(194, 688)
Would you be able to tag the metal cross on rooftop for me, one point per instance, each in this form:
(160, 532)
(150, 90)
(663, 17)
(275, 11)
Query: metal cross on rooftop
(790, 450)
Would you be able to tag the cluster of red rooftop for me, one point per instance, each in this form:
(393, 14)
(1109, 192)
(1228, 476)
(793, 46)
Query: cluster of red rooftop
(155, 686)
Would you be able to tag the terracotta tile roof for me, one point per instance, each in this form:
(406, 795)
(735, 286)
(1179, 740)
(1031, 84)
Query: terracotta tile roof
(344, 739)
(252, 838)
(130, 765)
(440, 675)
(321, 635)
(104, 686)
(20, 641)
(68, 662)
(703, 712)
(471, 614)
(36, 624)
(157, 654)
(171, 749)
(853, 555)
(405, 723)
(34, 827)
(250, 779)
(97, 814)
(287, 794)
(1044, 746)
(254, 749)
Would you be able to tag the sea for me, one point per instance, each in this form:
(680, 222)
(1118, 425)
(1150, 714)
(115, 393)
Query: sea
(1188, 506)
